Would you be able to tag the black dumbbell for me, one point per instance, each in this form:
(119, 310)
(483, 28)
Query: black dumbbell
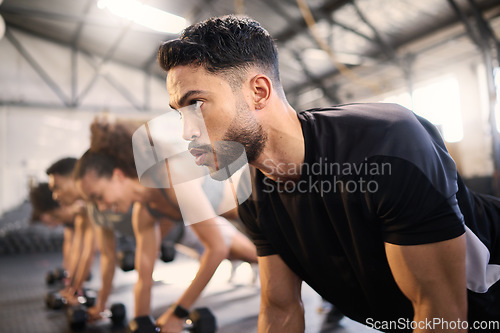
(78, 316)
(89, 297)
(168, 251)
(126, 260)
(200, 320)
(56, 275)
(55, 301)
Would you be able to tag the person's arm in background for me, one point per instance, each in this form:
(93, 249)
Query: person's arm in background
(76, 251)
(88, 251)
(67, 245)
(146, 252)
(106, 244)
(216, 250)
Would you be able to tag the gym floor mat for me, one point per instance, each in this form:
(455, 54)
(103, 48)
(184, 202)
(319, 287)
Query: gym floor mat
(235, 305)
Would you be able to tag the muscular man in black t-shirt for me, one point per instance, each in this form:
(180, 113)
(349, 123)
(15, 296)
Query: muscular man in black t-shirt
(361, 201)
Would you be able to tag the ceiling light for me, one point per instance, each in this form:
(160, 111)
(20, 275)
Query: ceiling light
(145, 15)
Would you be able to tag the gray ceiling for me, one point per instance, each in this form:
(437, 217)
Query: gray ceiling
(359, 32)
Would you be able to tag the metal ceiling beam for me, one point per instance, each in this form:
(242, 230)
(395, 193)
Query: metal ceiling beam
(465, 21)
(278, 8)
(317, 82)
(194, 14)
(74, 53)
(52, 106)
(57, 42)
(443, 25)
(79, 28)
(298, 25)
(191, 16)
(481, 38)
(37, 67)
(485, 28)
(70, 102)
(487, 37)
(384, 46)
(7, 11)
(352, 30)
(104, 60)
(122, 90)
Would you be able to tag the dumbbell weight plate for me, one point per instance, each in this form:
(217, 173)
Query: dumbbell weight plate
(118, 313)
(203, 321)
(54, 300)
(77, 317)
(143, 324)
(59, 274)
(49, 278)
(90, 297)
(126, 260)
(168, 251)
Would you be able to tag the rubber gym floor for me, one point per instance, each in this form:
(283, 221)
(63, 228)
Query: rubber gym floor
(27, 253)
(235, 305)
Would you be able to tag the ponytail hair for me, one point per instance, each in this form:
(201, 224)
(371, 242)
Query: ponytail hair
(113, 139)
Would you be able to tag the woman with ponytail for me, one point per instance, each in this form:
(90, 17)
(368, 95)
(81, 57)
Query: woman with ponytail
(106, 175)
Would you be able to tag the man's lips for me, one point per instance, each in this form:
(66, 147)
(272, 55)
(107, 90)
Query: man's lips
(199, 155)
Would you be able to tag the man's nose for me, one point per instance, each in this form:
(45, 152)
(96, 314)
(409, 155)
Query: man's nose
(190, 128)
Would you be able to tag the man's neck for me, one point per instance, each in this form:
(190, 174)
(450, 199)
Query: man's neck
(284, 152)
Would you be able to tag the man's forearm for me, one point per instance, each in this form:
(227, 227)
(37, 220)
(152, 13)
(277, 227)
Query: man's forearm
(276, 319)
(449, 313)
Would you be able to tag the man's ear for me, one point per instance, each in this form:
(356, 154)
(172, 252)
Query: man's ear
(262, 88)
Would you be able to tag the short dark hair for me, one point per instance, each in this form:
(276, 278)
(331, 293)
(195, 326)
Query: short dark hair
(102, 164)
(41, 201)
(63, 167)
(221, 45)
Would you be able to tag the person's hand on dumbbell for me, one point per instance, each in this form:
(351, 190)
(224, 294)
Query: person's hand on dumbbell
(95, 312)
(68, 293)
(169, 322)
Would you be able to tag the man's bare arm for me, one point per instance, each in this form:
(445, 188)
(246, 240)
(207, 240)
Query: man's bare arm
(281, 308)
(432, 276)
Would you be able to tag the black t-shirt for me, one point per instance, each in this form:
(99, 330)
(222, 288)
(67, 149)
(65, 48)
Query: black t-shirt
(372, 173)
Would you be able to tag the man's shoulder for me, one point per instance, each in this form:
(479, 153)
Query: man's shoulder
(359, 113)
(353, 132)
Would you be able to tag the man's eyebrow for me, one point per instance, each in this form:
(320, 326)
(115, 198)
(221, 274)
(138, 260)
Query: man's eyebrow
(186, 96)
